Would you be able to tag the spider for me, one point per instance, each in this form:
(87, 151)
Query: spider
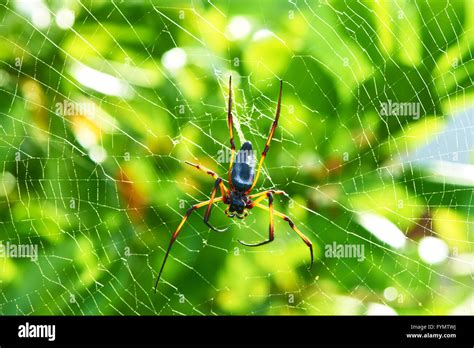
(242, 179)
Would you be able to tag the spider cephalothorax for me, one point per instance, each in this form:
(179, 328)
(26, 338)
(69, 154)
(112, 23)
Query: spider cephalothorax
(239, 203)
(242, 178)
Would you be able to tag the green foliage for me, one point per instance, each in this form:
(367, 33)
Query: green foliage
(103, 225)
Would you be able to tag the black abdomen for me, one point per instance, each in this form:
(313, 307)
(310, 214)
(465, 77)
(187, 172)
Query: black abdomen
(243, 170)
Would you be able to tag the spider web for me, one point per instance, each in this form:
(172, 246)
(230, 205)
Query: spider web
(102, 102)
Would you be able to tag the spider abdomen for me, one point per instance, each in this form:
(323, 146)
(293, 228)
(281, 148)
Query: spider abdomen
(243, 170)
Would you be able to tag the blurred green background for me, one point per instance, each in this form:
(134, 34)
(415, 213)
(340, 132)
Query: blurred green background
(102, 102)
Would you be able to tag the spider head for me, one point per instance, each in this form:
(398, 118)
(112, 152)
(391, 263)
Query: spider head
(242, 214)
(237, 206)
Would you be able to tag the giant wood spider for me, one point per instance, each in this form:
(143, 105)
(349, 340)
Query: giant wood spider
(242, 179)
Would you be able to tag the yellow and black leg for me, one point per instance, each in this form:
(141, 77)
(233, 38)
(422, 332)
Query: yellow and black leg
(207, 214)
(262, 195)
(230, 125)
(176, 233)
(256, 203)
(270, 136)
(214, 175)
(292, 225)
(271, 229)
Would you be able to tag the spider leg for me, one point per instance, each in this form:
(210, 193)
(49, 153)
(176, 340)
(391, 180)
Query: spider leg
(271, 229)
(262, 195)
(230, 124)
(175, 234)
(207, 214)
(224, 189)
(292, 225)
(270, 136)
